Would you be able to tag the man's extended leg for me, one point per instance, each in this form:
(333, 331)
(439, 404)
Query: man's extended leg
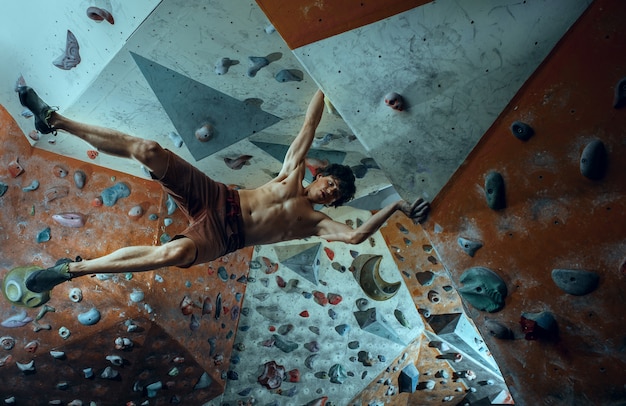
(179, 252)
(106, 140)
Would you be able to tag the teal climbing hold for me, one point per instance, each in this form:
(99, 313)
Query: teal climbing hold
(494, 191)
(112, 194)
(522, 130)
(593, 160)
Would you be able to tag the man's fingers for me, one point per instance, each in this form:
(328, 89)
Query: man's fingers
(421, 210)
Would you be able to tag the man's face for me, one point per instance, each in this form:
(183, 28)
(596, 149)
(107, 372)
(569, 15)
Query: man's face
(325, 190)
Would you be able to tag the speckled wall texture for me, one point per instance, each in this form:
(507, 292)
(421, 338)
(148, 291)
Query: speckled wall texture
(554, 218)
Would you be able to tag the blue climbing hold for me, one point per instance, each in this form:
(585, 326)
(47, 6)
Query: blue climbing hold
(111, 195)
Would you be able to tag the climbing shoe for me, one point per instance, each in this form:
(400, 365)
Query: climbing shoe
(39, 108)
(44, 280)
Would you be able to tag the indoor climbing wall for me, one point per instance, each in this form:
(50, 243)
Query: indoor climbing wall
(531, 227)
(158, 337)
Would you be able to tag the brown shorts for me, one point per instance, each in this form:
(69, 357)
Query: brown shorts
(213, 210)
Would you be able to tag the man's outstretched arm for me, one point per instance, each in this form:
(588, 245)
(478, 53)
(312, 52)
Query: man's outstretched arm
(334, 231)
(300, 146)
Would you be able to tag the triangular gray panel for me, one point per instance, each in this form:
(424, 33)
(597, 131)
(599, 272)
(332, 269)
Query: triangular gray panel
(189, 104)
(303, 259)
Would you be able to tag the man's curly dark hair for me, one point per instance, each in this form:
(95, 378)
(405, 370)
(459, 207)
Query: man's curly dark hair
(345, 178)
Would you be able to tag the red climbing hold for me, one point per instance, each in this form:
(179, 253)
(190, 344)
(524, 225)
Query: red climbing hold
(320, 298)
(304, 314)
(330, 253)
(334, 299)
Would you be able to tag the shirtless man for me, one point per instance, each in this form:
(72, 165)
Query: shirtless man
(222, 220)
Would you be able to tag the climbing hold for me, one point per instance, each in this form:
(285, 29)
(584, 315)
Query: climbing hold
(483, 289)
(593, 160)
(71, 56)
(31, 346)
(115, 360)
(7, 342)
(176, 139)
(15, 169)
(75, 295)
(359, 171)
(540, 325)
(342, 329)
(109, 373)
(367, 274)
(79, 179)
(395, 101)
(55, 192)
(620, 94)
(171, 205)
(96, 202)
(256, 63)
(92, 153)
(223, 64)
(64, 332)
(222, 273)
(17, 320)
(522, 130)
(337, 374)
(433, 296)
(425, 278)
(34, 134)
(470, 247)
(136, 295)
(75, 220)
(494, 191)
(3, 188)
(111, 195)
(57, 354)
(575, 281)
(59, 171)
(204, 132)
(401, 318)
(98, 14)
(186, 305)
(135, 212)
(320, 298)
(239, 162)
(362, 304)
(194, 322)
(42, 312)
(26, 368)
(44, 235)
(309, 361)
(289, 75)
(331, 255)
(408, 379)
(334, 298)
(272, 375)
(312, 346)
(34, 185)
(498, 330)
